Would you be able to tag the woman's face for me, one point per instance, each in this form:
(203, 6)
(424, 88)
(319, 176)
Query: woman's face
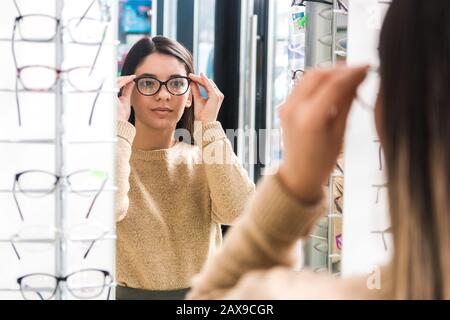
(162, 110)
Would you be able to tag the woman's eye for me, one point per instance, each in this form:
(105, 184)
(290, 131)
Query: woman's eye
(177, 83)
(148, 83)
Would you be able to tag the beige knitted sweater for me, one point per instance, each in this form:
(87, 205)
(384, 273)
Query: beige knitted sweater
(170, 204)
(257, 258)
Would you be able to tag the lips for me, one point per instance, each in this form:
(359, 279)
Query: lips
(162, 110)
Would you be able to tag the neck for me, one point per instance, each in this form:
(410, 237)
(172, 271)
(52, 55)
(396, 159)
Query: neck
(150, 139)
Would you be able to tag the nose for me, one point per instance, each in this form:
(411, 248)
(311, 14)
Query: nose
(163, 94)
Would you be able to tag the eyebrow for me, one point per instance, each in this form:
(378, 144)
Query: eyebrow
(154, 76)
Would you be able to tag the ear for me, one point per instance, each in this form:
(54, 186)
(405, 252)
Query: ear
(189, 100)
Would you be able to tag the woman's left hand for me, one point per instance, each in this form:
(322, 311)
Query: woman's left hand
(206, 110)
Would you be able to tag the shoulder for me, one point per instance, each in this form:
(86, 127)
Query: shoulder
(284, 283)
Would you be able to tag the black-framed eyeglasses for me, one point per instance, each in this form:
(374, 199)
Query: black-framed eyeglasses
(149, 86)
(41, 78)
(83, 284)
(37, 239)
(38, 184)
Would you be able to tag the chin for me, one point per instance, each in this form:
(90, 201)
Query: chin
(161, 124)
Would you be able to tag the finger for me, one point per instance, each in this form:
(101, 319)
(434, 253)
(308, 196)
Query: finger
(303, 91)
(125, 79)
(196, 93)
(218, 93)
(204, 82)
(122, 81)
(342, 116)
(128, 89)
(216, 88)
(197, 79)
(309, 84)
(341, 86)
(345, 107)
(347, 103)
(210, 85)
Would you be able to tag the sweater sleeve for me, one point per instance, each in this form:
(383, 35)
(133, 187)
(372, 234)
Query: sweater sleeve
(228, 182)
(264, 238)
(125, 133)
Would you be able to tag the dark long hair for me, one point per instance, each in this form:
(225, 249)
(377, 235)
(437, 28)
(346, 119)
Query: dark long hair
(149, 45)
(415, 122)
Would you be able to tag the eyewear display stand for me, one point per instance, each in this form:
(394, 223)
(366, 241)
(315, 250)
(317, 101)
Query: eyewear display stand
(60, 208)
(324, 21)
(368, 240)
(355, 239)
(69, 253)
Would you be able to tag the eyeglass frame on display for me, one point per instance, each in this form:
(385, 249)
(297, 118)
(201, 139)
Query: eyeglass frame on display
(58, 178)
(51, 89)
(16, 238)
(58, 24)
(106, 274)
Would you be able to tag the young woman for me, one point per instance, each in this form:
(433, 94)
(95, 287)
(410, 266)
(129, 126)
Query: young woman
(173, 195)
(412, 117)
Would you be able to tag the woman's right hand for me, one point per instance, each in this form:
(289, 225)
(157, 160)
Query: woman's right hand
(126, 84)
(314, 119)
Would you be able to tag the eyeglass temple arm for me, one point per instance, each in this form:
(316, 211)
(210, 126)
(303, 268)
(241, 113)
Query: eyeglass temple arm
(19, 115)
(95, 102)
(95, 199)
(109, 293)
(86, 12)
(98, 51)
(13, 39)
(13, 50)
(37, 292)
(89, 249)
(15, 250)
(380, 157)
(92, 244)
(342, 5)
(17, 7)
(17, 202)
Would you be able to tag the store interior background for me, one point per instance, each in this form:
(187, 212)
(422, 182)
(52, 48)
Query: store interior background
(251, 49)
